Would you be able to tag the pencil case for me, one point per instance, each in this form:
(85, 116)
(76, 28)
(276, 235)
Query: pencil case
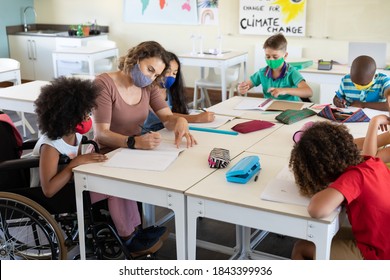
(337, 115)
(219, 158)
(243, 170)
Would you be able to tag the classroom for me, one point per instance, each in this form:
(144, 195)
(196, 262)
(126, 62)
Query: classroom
(205, 216)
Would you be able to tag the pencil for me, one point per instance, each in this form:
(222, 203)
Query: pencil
(145, 129)
(202, 109)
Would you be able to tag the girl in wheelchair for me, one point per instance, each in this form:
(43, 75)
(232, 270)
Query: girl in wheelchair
(63, 109)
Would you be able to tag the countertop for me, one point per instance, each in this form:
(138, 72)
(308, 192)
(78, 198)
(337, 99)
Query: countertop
(54, 30)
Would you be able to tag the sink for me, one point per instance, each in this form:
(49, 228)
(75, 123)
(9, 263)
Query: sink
(47, 32)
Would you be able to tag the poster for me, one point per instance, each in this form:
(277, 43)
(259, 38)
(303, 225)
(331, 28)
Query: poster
(208, 12)
(267, 17)
(161, 11)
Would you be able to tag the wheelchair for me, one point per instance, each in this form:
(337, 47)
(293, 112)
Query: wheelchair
(33, 227)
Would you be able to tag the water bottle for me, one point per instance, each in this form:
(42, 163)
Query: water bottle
(79, 30)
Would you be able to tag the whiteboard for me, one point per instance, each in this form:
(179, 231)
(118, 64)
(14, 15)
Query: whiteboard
(349, 20)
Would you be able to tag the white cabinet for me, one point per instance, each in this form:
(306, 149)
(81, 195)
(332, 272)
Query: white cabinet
(34, 55)
(67, 67)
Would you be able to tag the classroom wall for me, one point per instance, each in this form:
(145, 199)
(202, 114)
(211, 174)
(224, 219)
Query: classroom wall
(330, 25)
(11, 13)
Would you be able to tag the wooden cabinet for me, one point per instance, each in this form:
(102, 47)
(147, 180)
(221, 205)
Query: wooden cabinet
(34, 55)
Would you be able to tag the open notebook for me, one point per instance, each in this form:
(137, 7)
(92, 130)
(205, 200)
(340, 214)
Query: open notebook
(156, 160)
(268, 105)
(283, 189)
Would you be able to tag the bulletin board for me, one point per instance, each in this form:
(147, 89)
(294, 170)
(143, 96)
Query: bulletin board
(267, 17)
(161, 11)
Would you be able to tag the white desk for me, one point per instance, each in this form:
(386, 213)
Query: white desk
(234, 143)
(280, 142)
(20, 98)
(11, 74)
(90, 54)
(223, 62)
(241, 205)
(227, 108)
(165, 189)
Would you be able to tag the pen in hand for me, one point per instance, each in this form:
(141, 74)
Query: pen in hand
(145, 129)
(202, 109)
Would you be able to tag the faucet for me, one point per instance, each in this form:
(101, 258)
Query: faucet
(24, 17)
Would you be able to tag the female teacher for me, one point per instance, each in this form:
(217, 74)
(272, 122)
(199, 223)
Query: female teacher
(125, 97)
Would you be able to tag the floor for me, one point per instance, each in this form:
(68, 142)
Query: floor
(208, 230)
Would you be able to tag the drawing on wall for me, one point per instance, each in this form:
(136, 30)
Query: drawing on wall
(161, 11)
(267, 17)
(208, 12)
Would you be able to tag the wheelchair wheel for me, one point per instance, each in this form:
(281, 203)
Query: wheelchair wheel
(28, 231)
(110, 248)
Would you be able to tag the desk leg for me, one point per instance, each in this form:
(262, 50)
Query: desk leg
(54, 56)
(177, 203)
(245, 73)
(223, 83)
(321, 235)
(80, 184)
(91, 66)
(195, 210)
(149, 215)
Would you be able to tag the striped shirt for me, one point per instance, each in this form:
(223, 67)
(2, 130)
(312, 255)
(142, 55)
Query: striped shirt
(374, 93)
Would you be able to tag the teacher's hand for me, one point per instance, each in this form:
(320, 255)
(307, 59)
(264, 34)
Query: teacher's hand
(181, 130)
(148, 141)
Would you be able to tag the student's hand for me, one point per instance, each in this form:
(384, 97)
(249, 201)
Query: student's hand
(147, 141)
(181, 130)
(205, 117)
(275, 92)
(87, 158)
(339, 102)
(381, 121)
(243, 88)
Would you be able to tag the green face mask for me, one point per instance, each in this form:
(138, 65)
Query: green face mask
(274, 63)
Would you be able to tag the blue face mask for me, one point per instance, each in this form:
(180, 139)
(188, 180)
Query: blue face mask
(139, 79)
(168, 82)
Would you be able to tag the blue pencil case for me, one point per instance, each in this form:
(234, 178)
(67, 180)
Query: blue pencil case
(243, 170)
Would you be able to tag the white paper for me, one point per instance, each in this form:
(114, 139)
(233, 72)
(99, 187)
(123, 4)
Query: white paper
(283, 189)
(156, 160)
(250, 104)
(226, 112)
(217, 122)
(268, 104)
(372, 113)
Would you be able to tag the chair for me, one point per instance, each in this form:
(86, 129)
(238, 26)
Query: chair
(10, 72)
(35, 227)
(315, 87)
(213, 81)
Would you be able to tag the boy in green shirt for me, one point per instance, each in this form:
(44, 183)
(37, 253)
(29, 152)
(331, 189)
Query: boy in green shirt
(279, 79)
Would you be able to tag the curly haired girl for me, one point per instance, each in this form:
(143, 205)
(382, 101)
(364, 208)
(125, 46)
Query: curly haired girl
(328, 167)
